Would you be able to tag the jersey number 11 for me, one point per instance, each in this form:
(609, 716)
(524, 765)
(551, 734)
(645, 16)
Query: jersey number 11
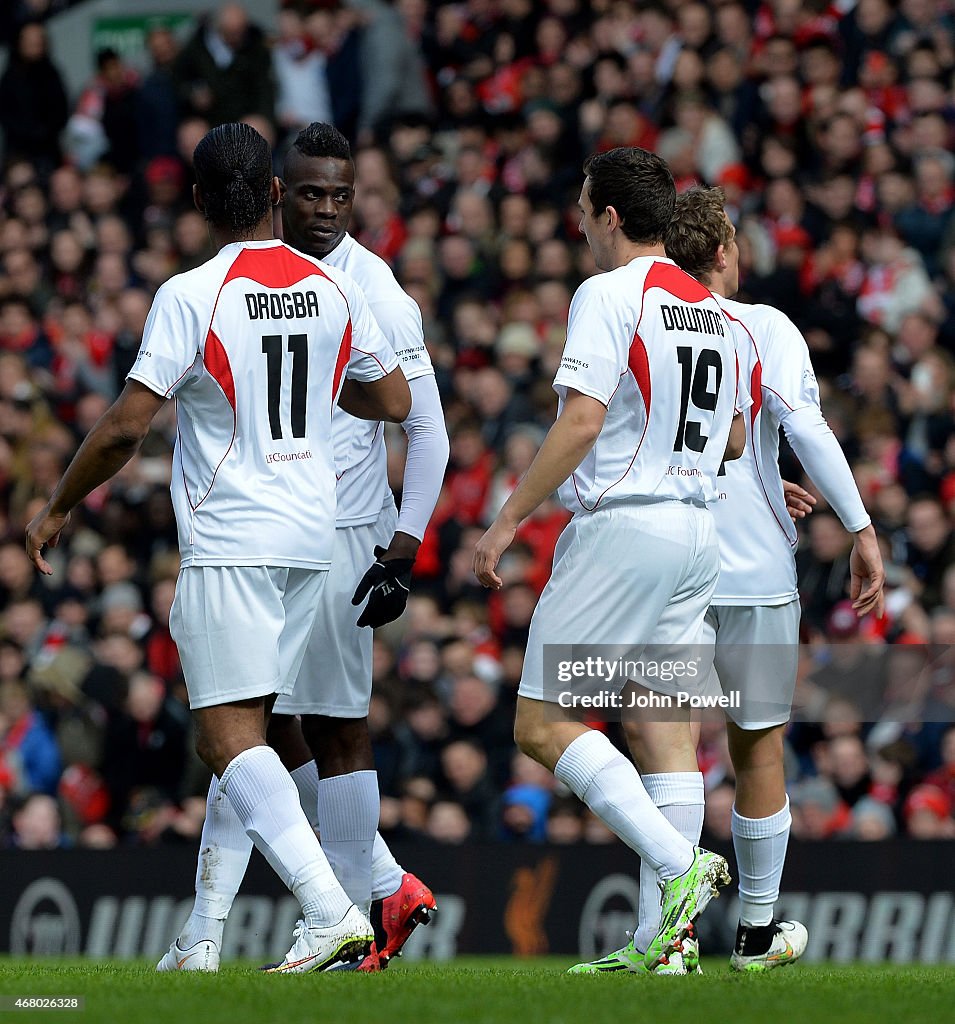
(272, 349)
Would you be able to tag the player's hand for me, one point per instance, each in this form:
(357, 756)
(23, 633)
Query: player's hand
(488, 553)
(799, 501)
(868, 575)
(388, 582)
(44, 528)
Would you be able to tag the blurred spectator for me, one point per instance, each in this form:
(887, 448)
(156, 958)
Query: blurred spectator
(871, 821)
(818, 813)
(157, 102)
(300, 74)
(448, 822)
(33, 103)
(105, 122)
(29, 757)
(225, 71)
(145, 748)
(928, 814)
(36, 824)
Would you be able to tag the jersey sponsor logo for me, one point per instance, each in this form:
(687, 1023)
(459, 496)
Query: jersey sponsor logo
(287, 456)
(683, 471)
(692, 319)
(281, 305)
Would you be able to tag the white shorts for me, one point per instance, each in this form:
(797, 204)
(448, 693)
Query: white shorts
(626, 574)
(757, 654)
(242, 630)
(335, 677)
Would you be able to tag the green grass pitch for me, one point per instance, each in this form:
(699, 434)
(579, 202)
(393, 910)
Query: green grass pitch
(481, 990)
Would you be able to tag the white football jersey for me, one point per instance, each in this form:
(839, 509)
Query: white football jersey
(652, 344)
(757, 535)
(360, 454)
(253, 345)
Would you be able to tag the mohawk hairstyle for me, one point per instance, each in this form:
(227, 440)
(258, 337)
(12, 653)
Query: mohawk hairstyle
(322, 140)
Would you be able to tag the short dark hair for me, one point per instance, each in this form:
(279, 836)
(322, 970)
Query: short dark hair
(322, 140)
(697, 230)
(638, 185)
(233, 166)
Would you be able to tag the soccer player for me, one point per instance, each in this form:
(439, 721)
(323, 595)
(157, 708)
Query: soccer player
(340, 793)
(255, 346)
(754, 616)
(647, 387)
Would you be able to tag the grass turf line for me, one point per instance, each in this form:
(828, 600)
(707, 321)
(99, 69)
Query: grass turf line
(479, 990)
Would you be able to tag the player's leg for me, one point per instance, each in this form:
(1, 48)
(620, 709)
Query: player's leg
(663, 745)
(758, 656)
(347, 799)
(241, 633)
(284, 736)
(576, 602)
(334, 686)
(400, 901)
(665, 753)
(224, 851)
(331, 695)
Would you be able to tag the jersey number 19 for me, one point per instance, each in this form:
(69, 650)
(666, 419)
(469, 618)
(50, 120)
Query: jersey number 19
(695, 387)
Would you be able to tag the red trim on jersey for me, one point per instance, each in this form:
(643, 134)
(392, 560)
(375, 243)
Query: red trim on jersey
(639, 363)
(344, 354)
(673, 280)
(385, 372)
(216, 361)
(181, 375)
(756, 390)
(779, 396)
(274, 267)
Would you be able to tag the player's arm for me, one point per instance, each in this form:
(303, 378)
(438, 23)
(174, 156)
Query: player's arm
(821, 455)
(790, 391)
(112, 442)
(374, 388)
(389, 579)
(387, 398)
(568, 441)
(736, 442)
(427, 459)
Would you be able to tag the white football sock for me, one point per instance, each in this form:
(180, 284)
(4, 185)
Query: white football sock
(348, 809)
(386, 872)
(305, 778)
(266, 801)
(679, 795)
(760, 845)
(224, 852)
(610, 786)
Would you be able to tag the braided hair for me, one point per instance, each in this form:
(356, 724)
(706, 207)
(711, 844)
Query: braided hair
(233, 166)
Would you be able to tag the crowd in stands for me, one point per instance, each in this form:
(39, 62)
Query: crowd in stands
(830, 126)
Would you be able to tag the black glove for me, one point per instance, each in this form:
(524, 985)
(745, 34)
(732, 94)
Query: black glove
(389, 583)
